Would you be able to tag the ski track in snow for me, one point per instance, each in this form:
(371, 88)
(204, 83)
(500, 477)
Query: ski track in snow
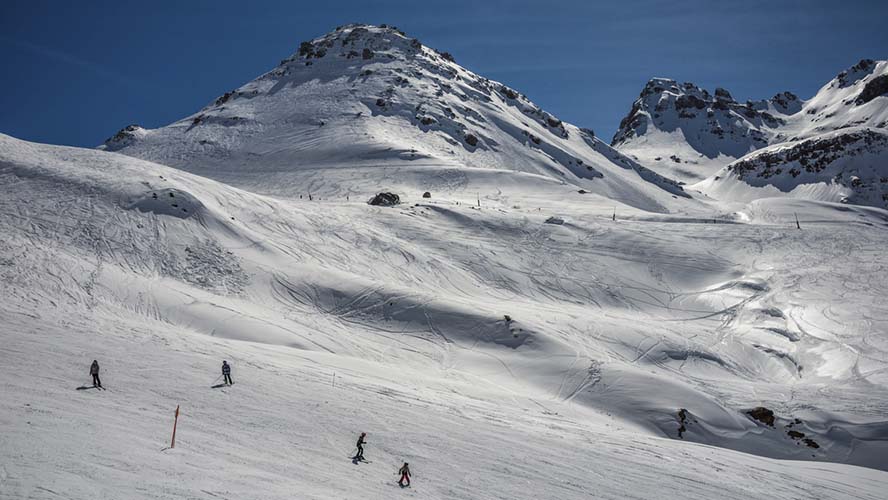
(423, 359)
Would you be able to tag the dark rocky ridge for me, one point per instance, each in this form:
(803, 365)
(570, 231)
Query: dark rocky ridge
(713, 123)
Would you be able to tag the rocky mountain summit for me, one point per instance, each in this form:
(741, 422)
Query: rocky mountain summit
(712, 124)
(831, 146)
(688, 132)
(372, 98)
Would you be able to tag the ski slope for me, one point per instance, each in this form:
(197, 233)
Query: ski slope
(554, 320)
(502, 356)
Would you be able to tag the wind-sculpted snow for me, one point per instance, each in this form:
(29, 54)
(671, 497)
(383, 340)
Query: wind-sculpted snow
(458, 336)
(364, 97)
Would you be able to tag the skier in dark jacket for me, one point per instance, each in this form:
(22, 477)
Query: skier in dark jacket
(94, 371)
(226, 372)
(404, 471)
(360, 445)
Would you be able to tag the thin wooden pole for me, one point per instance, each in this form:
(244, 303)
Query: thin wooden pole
(175, 422)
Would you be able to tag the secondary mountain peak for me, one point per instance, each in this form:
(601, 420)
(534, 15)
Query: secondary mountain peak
(684, 132)
(712, 124)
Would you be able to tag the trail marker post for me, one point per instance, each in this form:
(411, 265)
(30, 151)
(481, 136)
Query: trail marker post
(175, 422)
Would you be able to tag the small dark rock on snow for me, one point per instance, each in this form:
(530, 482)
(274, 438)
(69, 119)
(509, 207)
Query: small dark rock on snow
(811, 443)
(427, 195)
(385, 200)
(763, 415)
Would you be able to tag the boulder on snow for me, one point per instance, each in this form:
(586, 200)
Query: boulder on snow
(555, 220)
(385, 200)
(763, 415)
(471, 140)
(427, 195)
(811, 443)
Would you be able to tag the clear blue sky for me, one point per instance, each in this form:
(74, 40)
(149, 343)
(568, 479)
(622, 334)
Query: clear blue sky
(76, 72)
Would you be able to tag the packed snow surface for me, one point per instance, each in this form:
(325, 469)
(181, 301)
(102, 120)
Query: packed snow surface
(535, 327)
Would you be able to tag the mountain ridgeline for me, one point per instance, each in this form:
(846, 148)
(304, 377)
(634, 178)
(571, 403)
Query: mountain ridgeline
(831, 147)
(369, 99)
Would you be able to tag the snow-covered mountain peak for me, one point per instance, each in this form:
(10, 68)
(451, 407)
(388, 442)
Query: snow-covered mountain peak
(853, 74)
(372, 98)
(358, 40)
(834, 149)
(856, 97)
(683, 131)
(667, 106)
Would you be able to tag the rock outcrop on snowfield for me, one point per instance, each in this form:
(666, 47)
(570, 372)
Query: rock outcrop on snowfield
(365, 99)
(685, 132)
(847, 165)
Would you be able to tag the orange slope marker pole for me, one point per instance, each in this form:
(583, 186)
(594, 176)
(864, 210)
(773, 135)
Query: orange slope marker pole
(175, 422)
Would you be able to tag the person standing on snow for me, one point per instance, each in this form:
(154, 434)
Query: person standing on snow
(404, 471)
(94, 371)
(226, 372)
(360, 445)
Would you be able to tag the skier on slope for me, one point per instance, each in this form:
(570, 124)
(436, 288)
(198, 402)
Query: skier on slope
(360, 445)
(404, 471)
(226, 372)
(94, 371)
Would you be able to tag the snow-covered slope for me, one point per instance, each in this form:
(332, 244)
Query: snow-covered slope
(685, 132)
(502, 356)
(849, 165)
(365, 108)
